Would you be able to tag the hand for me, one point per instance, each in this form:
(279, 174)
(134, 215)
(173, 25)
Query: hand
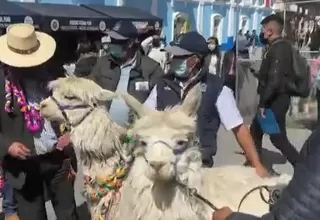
(19, 151)
(222, 214)
(63, 142)
(261, 110)
(262, 172)
(156, 37)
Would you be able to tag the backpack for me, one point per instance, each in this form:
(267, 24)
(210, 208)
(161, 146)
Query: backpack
(298, 82)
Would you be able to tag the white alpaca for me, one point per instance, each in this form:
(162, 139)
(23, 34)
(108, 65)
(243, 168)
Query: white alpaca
(166, 156)
(95, 137)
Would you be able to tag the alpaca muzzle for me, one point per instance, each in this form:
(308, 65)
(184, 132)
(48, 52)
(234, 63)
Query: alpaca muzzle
(63, 109)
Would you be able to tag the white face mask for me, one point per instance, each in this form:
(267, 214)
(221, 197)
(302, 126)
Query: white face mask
(212, 46)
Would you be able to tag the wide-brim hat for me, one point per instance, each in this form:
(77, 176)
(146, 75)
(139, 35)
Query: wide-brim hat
(22, 46)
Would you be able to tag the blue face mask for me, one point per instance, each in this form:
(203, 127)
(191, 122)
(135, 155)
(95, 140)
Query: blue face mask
(116, 51)
(179, 67)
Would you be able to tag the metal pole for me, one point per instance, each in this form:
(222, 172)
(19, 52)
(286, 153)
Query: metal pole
(237, 51)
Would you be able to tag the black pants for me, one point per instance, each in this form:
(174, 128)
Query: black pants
(51, 170)
(279, 106)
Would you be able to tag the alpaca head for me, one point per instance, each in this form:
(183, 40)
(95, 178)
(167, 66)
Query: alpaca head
(165, 139)
(74, 97)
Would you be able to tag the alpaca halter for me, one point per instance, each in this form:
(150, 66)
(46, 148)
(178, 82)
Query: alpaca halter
(68, 125)
(32, 118)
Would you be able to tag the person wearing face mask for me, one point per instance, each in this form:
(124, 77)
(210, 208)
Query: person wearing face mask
(215, 56)
(32, 148)
(152, 47)
(125, 69)
(218, 104)
(276, 64)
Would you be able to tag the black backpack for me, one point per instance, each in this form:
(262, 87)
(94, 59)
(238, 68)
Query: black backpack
(298, 82)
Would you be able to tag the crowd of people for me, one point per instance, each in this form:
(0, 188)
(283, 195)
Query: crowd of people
(37, 156)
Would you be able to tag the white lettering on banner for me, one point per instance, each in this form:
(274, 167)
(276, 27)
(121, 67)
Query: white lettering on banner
(81, 28)
(5, 19)
(140, 24)
(80, 22)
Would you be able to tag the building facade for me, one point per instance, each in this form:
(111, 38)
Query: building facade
(220, 18)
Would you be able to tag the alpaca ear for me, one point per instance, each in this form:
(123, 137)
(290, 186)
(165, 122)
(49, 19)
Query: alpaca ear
(106, 95)
(135, 105)
(192, 101)
(53, 84)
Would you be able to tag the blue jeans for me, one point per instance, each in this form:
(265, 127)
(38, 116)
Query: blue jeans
(9, 204)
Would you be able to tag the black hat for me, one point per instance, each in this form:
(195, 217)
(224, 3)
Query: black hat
(188, 44)
(273, 17)
(123, 30)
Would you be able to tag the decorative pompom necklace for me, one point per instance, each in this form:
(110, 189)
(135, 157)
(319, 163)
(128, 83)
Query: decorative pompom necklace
(32, 116)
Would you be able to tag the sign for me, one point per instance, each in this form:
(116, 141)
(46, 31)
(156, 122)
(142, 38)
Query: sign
(140, 24)
(77, 25)
(5, 21)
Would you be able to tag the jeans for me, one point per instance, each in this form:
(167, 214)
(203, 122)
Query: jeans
(279, 107)
(9, 204)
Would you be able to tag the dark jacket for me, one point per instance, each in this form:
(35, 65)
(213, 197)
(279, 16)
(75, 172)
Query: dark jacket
(301, 199)
(106, 73)
(228, 80)
(169, 94)
(275, 66)
(13, 129)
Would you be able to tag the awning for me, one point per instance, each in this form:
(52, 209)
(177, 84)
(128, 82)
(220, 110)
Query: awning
(11, 13)
(59, 17)
(141, 19)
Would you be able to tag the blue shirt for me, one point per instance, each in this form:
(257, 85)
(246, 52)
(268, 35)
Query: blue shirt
(119, 111)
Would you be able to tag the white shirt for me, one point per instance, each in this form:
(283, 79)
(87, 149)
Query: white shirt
(213, 64)
(226, 105)
(154, 53)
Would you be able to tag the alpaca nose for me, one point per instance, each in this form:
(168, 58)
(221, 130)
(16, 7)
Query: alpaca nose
(156, 164)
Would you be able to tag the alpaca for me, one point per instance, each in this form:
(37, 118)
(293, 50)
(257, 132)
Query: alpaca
(80, 103)
(166, 156)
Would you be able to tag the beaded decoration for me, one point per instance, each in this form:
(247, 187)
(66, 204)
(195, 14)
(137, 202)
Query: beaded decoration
(32, 116)
(106, 185)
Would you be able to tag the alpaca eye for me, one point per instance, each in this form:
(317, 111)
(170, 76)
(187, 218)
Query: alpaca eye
(70, 97)
(181, 142)
(142, 143)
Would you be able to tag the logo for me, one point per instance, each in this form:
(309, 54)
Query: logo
(28, 20)
(117, 26)
(54, 25)
(156, 25)
(102, 26)
(203, 87)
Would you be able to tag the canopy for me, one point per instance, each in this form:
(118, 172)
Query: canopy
(141, 19)
(11, 13)
(67, 17)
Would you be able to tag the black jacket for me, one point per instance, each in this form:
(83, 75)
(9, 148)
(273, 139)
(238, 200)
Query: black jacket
(276, 65)
(13, 129)
(301, 199)
(106, 73)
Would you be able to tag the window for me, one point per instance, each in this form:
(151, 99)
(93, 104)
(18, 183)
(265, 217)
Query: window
(180, 24)
(260, 2)
(217, 25)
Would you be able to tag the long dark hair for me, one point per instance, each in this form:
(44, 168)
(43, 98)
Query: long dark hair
(216, 51)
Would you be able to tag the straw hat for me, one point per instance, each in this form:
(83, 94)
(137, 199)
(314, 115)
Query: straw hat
(22, 46)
